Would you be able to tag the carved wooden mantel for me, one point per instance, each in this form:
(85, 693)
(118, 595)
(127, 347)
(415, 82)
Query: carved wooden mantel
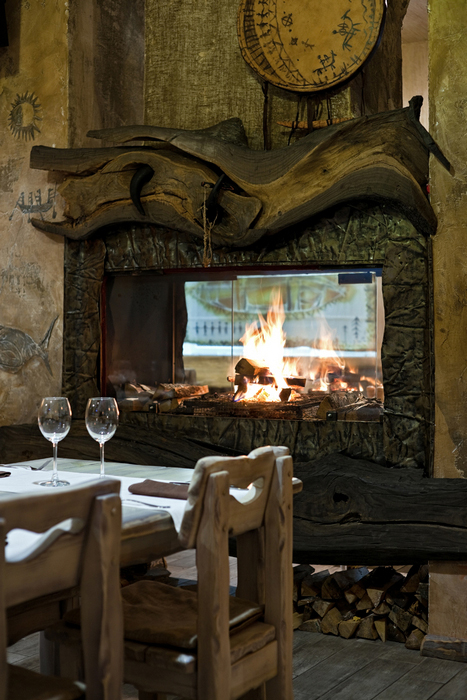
(164, 176)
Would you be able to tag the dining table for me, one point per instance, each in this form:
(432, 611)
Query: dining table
(150, 527)
(150, 524)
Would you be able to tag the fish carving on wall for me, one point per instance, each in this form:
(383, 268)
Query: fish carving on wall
(17, 348)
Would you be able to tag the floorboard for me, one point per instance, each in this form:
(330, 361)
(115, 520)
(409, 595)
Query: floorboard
(455, 689)
(328, 667)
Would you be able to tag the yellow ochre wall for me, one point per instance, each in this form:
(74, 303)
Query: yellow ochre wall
(33, 107)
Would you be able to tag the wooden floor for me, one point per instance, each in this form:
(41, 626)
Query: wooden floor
(328, 667)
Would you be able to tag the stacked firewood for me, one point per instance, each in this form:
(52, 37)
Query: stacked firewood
(379, 604)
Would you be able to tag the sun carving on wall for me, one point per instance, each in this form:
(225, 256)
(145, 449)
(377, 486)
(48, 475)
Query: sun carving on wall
(24, 116)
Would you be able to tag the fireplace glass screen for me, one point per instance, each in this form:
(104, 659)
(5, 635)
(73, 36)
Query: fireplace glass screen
(242, 335)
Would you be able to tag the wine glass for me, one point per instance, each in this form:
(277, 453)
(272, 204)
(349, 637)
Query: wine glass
(102, 421)
(54, 419)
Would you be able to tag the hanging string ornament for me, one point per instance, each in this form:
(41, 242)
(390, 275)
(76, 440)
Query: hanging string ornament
(207, 226)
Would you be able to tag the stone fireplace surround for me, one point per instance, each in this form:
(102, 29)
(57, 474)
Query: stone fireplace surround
(362, 234)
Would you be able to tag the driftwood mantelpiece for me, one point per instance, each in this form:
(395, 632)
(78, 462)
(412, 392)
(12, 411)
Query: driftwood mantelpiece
(382, 158)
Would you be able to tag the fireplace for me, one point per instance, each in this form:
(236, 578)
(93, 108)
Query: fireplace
(250, 336)
(128, 271)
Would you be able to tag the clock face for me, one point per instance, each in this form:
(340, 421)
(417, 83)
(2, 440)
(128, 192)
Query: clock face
(308, 45)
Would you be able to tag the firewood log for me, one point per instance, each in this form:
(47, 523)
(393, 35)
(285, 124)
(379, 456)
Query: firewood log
(322, 607)
(395, 597)
(412, 580)
(306, 601)
(401, 618)
(394, 634)
(346, 579)
(420, 624)
(365, 603)
(415, 639)
(330, 622)
(335, 401)
(381, 626)
(347, 628)
(330, 589)
(355, 593)
(297, 620)
(366, 629)
(382, 609)
(311, 585)
(178, 391)
(378, 592)
(311, 625)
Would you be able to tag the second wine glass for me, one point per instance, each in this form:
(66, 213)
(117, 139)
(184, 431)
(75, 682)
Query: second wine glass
(102, 421)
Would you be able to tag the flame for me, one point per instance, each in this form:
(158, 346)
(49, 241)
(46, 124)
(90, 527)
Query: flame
(328, 362)
(265, 346)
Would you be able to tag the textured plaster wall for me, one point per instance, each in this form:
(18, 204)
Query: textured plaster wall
(415, 76)
(196, 76)
(33, 104)
(70, 67)
(106, 67)
(448, 118)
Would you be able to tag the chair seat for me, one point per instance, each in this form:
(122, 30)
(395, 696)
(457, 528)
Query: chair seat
(244, 641)
(28, 685)
(157, 613)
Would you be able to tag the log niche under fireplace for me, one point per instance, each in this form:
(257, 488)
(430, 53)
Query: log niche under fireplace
(351, 198)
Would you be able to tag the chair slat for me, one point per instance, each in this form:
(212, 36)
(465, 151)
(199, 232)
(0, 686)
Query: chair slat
(213, 590)
(3, 624)
(89, 557)
(76, 499)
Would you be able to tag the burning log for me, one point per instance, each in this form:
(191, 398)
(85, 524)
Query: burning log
(251, 372)
(335, 401)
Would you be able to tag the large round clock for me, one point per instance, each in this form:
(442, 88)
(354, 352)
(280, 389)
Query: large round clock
(308, 45)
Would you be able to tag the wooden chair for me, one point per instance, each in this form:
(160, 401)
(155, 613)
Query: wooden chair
(219, 663)
(80, 545)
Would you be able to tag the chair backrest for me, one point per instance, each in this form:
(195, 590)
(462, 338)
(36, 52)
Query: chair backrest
(77, 544)
(253, 471)
(263, 527)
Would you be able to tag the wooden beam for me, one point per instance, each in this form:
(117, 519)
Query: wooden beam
(355, 512)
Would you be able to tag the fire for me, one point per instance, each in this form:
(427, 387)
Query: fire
(328, 368)
(267, 373)
(265, 346)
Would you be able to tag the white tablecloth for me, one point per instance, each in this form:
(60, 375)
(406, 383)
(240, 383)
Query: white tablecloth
(25, 480)
(22, 480)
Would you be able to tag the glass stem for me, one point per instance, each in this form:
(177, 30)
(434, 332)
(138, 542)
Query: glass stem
(54, 467)
(101, 445)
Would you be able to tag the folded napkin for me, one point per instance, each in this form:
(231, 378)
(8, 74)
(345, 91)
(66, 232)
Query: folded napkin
(3, 474)
(163, 489)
